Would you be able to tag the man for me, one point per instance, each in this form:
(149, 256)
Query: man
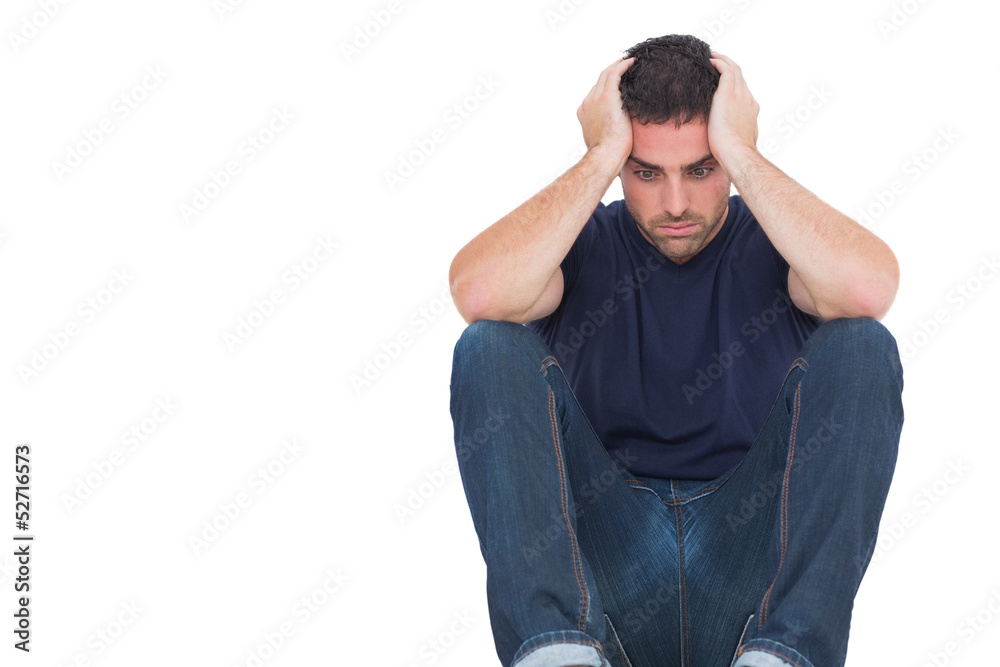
(682, 459)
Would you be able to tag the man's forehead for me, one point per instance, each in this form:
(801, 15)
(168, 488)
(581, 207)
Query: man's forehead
(667, 147)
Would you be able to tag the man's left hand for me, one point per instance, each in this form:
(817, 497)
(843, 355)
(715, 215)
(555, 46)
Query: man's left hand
(732, 122)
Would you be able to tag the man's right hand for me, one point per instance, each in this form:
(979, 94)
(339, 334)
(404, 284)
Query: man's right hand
(605, 124)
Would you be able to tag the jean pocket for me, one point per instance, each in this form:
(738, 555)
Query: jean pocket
(617, 650)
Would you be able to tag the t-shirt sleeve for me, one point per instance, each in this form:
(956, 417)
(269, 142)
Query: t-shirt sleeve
(781, 267)
(576, 257)
(571, 266)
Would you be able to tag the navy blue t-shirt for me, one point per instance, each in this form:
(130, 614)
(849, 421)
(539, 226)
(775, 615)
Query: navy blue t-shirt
(675, 366)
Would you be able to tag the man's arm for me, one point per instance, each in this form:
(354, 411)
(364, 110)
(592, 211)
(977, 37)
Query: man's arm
(511, 271)
(838, 268)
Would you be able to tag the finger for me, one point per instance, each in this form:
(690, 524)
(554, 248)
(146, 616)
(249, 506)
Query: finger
(618, 70)
(726, 79)
(729, 73)
(726, 59)
(613, 72)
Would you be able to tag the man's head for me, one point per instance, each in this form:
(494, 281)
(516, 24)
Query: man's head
(674, 188)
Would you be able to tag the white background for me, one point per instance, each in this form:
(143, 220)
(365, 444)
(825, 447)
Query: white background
(334, 507)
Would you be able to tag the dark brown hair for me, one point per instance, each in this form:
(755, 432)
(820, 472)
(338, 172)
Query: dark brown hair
(670, 80)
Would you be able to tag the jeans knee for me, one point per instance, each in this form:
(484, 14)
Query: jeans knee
(859, 342)
(857, 327)
(485, 339)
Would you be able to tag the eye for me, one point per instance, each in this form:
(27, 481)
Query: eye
(701, 172)
(644, 174)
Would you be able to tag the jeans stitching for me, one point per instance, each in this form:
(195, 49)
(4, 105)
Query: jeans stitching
(673, 501)
(577, 569)
(685, 639)
(739, 644)
(618, 643)
(784, 507)
(546, 362)
(680, 501)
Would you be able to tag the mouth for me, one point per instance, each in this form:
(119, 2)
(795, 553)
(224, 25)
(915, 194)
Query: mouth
(676, 230)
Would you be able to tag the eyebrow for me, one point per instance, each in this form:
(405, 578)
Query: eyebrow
(656, 167)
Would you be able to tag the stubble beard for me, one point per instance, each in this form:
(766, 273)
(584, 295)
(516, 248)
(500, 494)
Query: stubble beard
(680, 249)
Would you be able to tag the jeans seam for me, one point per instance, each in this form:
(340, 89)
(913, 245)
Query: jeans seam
(546, 362)
(574, 547)
(799, 363)
(739, 644)
(682, 574)
(784, 506)
(618, 642)
(681, 501)
(641, 486)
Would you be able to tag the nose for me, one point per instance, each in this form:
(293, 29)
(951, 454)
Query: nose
(674, 198)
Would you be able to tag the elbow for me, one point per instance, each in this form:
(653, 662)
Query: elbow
(464, 302)
(475, 301)
(873, 303)
(469, 297)
(871, 296)
(879, 292)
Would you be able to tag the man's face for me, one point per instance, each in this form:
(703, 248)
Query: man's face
(676, 191)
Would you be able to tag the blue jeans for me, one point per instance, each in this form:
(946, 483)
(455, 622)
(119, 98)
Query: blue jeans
(588, 564)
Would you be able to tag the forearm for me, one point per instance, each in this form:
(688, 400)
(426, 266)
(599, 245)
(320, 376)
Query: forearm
(847, 270)
(503, 271)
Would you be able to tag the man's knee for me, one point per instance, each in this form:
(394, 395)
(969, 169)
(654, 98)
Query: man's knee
(485, 339)
(858, 343)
